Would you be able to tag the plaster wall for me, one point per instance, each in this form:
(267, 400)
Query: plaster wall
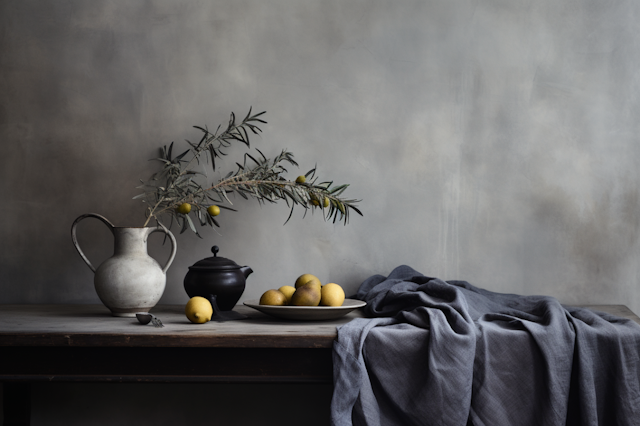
(490, 141)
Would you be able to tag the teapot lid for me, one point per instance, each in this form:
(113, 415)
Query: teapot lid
(215, 263)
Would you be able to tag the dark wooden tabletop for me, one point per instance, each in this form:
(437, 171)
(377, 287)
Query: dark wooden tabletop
(92, 325)
(86, 343)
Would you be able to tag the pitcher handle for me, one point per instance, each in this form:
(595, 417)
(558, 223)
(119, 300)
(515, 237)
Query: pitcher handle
(174, 244)
(75, 239)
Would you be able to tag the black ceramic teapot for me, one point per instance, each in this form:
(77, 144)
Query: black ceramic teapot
(220, 280)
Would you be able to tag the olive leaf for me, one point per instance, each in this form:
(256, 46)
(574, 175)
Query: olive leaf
(256, 177)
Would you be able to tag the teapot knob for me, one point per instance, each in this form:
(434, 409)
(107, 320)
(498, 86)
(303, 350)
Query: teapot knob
(215, 250)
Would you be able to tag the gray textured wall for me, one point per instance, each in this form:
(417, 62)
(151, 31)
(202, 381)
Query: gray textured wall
(491, 141)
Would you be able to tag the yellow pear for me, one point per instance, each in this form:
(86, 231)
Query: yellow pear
(288, 291)
(307, 295)
(274, 298)
(305, 278)
(332, 295)
(313, 283)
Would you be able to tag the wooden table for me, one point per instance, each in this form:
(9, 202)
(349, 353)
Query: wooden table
(84, 343)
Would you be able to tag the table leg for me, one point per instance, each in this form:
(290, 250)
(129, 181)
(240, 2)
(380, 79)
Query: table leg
(17, 403)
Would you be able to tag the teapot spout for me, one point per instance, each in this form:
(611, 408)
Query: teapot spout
(246, 271)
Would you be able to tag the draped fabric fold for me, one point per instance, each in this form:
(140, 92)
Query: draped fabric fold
(432, 352)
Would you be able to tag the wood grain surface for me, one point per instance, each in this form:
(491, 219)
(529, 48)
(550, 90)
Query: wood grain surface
(93, 325)
(85, 343)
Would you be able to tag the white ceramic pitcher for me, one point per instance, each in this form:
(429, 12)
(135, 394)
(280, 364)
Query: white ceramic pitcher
(130, 281)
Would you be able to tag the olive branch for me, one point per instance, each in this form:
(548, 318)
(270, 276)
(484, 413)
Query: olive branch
(176, 192)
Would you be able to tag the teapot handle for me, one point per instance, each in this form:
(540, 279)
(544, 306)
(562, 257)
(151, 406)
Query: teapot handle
(174, 244)
(75, 239)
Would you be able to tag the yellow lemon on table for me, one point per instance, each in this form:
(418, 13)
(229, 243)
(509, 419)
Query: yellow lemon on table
(198, 310)
(274, 298)
(305, 278)
(288, 291)
(332, 295)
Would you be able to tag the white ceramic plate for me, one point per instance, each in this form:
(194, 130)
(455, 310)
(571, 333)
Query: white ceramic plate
(307, 313)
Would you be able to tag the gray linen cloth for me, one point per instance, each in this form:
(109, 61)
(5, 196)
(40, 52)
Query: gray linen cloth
(449, 353)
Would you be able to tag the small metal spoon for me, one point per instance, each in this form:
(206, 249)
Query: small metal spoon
(146, 318)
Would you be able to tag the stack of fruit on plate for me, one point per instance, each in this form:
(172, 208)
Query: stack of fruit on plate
(307, 291)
